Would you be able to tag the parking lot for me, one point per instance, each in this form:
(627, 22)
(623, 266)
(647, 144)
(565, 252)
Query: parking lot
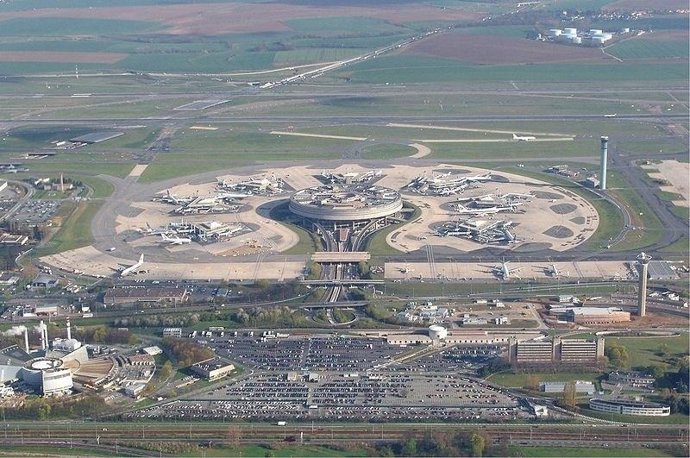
(323, 377)
(36, 211)
(342, 396)
(314, 353)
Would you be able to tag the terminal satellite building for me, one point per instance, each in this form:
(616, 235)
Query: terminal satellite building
(346, 205)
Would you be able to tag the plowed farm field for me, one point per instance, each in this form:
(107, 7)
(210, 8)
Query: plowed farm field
(486, 49)
(219, 18)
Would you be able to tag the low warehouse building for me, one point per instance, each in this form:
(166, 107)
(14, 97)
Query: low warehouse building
(132, 295)
(597, 316)
(630, 407)
(213, 369)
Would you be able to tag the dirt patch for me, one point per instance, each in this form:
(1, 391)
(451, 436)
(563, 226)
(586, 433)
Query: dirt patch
(218, 18)
(485, 49)
(632, 5)
(50, 56)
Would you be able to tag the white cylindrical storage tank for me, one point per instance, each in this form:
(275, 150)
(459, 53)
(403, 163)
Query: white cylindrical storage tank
(437, 332)
(555, 32)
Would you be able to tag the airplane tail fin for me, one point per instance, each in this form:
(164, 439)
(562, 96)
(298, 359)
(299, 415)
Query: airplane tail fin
(141, 258)
(515, 137)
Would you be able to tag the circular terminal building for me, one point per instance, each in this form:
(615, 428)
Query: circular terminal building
(47, 375)
(346, 204)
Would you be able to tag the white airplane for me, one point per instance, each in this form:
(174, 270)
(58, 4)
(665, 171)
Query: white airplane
(612, 115)
(553, 271)
(175, 240)
(133, 269)
(503, 271)
(524, 138)
(461, 209)
(485, 177)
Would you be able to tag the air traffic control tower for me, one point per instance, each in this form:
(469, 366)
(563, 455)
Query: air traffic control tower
(643, 260)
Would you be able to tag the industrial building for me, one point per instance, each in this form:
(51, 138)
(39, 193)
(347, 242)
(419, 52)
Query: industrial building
(138, 294)
(212, 369)
(596, 316)
(630, 407)
(556, 351)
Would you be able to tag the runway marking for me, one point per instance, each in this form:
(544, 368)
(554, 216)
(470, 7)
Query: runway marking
(466, 129)
(138, 170)
(421, 150)
(203, 128)
(497, 140)
(336, 137)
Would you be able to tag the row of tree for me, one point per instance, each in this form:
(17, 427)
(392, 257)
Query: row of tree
(186, 352)
(444, 444)
(44, 408)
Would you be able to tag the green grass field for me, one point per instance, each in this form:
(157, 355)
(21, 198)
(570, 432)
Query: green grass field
(643, 350)
(75, 231)
(585, 452)
(408, 69)
(640, 48)
(518, 380)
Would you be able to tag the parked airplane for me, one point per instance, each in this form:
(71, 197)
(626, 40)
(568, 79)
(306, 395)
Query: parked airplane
(553, 271)
(461, 209)
(524, 138)
(503, 271)
(175, 239)
(133, 269)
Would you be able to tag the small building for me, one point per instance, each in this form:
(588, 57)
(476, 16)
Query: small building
(44, 281)
(172, 332)
(559, 387)
(212, 369)
(13, 239)
(141, 360)
(135, 389)
(635, 379)
(8, 279)
(155, 350)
